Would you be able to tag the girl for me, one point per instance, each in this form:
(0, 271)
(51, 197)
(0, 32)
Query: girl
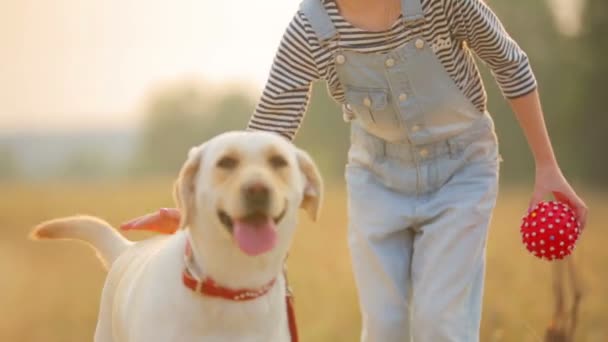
(423, 164)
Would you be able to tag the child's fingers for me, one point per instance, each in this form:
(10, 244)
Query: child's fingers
(166, 228)
(152, 218)
(129, 224)
(537, 196)
(581, 211)
(170, 213)
(142, 222)
(576, 203)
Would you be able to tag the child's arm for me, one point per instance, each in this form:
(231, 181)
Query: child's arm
(286, 94)
(483, 32)
(474, 23)
(549, 177)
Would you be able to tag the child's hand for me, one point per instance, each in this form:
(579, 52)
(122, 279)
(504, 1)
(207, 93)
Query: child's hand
(165, 221)
(549, 179)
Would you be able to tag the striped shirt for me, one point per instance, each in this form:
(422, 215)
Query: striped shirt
(455, 28)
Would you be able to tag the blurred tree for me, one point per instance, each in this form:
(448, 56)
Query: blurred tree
(324, 134)
(172, 123)
(181, 116)
(86, 164)
(592, 121)
(9, 164)
(184, 115)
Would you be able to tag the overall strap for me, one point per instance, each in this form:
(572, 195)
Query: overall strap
(319, 19)
(412, 10)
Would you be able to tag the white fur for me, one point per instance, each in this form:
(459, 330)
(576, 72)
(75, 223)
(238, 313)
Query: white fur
(144, 298)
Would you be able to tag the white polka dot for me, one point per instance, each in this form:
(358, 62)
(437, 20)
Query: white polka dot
(542, 242)
(558, 221)
(533, 224)
(555, 208)
(550, 213)
(551, 248)
(561, 243)
(550, 226)
(542, 230)
(542, 251)
(561, 231)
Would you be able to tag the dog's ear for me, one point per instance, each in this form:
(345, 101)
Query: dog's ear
(313, 185)
(185, 187)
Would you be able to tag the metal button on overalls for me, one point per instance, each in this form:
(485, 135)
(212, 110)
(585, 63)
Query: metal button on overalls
(423, 152)
(419, 43)
(367, 102)
(389, 62)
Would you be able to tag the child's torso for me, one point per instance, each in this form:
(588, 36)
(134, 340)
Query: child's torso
(456, 59)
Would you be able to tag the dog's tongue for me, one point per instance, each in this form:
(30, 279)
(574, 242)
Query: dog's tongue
(255, 236)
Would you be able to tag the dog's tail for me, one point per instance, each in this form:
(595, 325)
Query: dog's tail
(100, 235)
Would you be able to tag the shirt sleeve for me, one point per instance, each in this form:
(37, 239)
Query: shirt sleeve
(483, 32)
(285, 97)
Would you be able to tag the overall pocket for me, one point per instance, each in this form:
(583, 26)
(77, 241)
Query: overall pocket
(371, 107)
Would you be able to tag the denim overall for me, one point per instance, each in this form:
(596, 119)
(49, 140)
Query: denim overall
(422, 180)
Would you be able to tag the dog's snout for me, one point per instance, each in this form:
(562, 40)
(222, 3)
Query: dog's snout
(256, 195)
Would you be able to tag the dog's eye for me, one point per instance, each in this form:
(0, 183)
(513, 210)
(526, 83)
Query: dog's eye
(227, 163)
(278, 162)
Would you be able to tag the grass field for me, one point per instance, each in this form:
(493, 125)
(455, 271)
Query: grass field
(49, 291)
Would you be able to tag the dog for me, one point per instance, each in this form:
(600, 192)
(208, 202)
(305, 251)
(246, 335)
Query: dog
(220, 276)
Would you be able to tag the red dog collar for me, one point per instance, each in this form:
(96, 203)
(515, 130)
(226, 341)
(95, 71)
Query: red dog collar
(210, 288)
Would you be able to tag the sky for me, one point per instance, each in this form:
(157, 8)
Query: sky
(88, 64)
(67, 64)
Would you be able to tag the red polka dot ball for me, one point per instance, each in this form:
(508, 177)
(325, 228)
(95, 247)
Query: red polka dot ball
(550, 230)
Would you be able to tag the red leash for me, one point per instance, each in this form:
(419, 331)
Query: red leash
(291, 316)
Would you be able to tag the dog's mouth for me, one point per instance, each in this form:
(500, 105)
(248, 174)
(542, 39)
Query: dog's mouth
(228, 222)
(254, 233)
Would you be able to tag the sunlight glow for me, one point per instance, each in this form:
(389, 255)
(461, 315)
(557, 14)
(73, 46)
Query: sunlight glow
(75, 63)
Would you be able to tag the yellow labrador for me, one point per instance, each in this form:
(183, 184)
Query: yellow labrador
(220, 277)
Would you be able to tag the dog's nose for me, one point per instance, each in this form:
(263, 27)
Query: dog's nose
(256, 195)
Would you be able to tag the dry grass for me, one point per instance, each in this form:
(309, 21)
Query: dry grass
(50, 291)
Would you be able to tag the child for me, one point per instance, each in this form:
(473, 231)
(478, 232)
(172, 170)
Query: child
(422, 174)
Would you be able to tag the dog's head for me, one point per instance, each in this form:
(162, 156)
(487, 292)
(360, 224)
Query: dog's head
(247, 187)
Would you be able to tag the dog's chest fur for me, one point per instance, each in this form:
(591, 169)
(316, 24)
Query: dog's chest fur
(163, 309)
